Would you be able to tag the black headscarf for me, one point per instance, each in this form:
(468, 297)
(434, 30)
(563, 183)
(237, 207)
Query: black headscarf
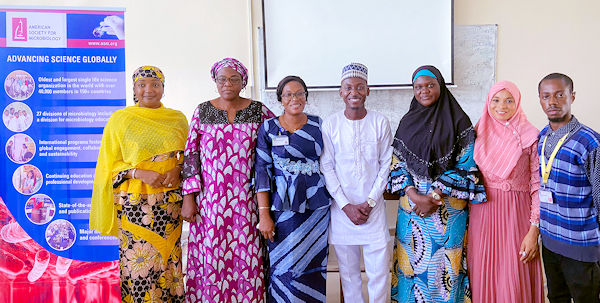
(429, 139)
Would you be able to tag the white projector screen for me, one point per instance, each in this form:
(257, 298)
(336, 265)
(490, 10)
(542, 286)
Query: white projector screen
(314, 39)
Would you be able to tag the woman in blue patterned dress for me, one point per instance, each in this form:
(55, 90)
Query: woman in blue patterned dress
(434, 172)
(293, 202)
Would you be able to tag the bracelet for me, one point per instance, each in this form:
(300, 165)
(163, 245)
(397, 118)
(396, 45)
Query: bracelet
(264, 207)
(133, 173)
(407, 188)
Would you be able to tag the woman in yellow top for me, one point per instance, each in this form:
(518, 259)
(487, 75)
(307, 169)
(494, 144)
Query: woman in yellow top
(137, 194)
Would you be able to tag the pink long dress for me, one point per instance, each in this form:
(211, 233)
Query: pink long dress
(496, 230)
(225, 262)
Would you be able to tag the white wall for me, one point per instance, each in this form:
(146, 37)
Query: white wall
(538, 37)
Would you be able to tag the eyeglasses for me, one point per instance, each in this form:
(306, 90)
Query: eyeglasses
(298, 95)
(232, 80)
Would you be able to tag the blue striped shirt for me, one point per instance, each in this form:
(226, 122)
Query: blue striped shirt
(569, 226)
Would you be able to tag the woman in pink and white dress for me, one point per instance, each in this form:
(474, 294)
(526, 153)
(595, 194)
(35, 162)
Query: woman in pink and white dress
(225, 261)
(503, 253)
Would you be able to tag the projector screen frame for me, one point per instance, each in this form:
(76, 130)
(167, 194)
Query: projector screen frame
(265, 60)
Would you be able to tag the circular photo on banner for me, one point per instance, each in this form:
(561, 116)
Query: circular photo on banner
(60, 234)
(40, 209)
(17, 117)
(20, 148)
(27, 179)
(19, 85)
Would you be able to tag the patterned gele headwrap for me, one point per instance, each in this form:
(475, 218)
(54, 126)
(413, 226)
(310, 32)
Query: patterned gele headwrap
(232, 63)
(147, 71)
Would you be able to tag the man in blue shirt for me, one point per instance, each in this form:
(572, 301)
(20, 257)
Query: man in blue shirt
(569, 197)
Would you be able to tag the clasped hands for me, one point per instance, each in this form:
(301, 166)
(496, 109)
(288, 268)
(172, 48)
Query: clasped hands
(169, 179)
(358, 213)
(425, 205)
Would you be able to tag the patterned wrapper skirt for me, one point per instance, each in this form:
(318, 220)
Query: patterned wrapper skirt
(298, 256)
(429, 261)
(149, 245)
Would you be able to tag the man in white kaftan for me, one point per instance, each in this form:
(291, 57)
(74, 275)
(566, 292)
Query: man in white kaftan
(356, 159)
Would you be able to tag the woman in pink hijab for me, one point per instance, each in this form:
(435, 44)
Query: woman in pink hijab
(503, 252)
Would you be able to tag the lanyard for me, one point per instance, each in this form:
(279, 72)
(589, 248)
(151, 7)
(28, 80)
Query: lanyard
(546, 169)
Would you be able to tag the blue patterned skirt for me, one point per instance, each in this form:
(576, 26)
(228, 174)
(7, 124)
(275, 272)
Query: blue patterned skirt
(429, 261)
(298, 256)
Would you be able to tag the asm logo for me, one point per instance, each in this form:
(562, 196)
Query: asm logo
(19, 27)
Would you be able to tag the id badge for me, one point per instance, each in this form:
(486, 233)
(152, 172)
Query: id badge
(281, 140)
(545, 196)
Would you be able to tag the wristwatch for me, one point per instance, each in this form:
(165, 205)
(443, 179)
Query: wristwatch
(371, 202)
